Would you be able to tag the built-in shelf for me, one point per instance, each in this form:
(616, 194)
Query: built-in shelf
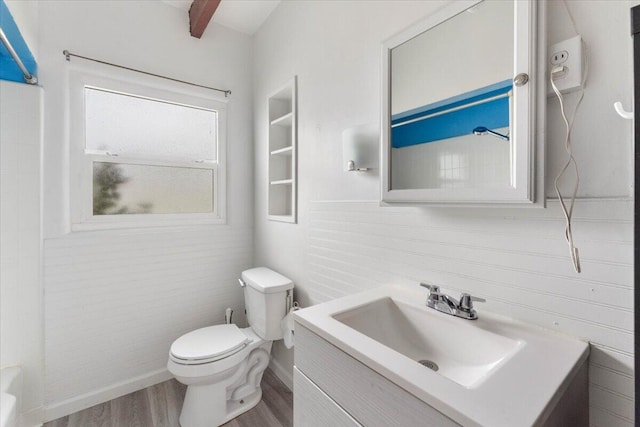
(285, 120)
(282, 182)
(282, 218)
(282, 179)
(283, 151)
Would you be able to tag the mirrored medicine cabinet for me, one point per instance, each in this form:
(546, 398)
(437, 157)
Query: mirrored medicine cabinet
(460, 119)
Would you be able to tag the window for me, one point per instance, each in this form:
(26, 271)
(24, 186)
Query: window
(145, 157)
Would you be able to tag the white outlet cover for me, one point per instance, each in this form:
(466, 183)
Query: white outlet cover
(571, 79)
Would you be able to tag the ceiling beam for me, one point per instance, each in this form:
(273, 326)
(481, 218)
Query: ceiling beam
(200, 14)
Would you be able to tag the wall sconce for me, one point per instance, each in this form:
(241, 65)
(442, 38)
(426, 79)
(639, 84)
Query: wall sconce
(360, 148)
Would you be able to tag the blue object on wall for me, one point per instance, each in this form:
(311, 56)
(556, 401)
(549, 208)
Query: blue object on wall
(9, 70)
(424, 124)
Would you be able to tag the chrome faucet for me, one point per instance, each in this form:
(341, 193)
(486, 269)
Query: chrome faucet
(446, 304)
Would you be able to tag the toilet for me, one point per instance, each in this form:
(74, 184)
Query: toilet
(222, 365)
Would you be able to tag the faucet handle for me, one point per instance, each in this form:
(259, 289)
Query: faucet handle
(466, 301)
(434, 289)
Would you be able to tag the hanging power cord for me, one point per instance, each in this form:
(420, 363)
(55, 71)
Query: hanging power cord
(571, 161)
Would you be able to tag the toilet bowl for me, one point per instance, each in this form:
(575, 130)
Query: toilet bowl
(222, 365)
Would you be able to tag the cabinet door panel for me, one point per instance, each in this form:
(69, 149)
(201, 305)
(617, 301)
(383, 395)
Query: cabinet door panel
(313, 408)
(366, 395)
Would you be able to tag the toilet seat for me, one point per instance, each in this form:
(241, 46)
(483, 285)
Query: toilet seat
(208, 344)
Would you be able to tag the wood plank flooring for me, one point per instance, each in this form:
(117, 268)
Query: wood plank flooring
(160, 405)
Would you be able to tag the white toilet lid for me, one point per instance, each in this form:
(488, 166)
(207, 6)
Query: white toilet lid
(209, 344)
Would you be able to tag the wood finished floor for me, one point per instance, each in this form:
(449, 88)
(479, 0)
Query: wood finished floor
(160, 405)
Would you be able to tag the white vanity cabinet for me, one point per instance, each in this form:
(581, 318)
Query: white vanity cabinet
(333, 389)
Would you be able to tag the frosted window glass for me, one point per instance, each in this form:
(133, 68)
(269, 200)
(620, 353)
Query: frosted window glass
(120, 188)
(127, 124)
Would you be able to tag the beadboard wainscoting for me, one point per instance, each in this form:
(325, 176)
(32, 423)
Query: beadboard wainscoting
(516, 259)
(115, 301)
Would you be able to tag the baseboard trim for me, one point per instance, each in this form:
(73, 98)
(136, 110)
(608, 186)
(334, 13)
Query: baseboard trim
(284, 374)
(87, 400)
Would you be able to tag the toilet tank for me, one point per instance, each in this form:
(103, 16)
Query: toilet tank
(267, 297)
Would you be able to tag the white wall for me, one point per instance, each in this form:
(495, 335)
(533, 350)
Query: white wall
(21, 330)
(115, 300)
(517, 259)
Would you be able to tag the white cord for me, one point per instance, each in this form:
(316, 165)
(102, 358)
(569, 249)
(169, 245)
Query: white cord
(568, 212)
(570, 162)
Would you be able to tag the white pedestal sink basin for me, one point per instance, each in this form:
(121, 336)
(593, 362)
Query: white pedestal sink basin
(493, 371)
(458, 350)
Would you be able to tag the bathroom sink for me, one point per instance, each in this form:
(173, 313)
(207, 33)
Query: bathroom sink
(493, 371)
(458, 350)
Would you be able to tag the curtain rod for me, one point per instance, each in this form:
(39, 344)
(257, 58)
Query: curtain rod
(28, 77)
(68, 56)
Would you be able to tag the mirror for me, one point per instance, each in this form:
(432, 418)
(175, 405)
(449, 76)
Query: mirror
(456, 128)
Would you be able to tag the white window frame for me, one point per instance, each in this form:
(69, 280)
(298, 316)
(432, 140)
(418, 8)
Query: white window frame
(82, 159)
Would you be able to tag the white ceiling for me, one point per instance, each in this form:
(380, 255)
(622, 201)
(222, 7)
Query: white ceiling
(245, 16)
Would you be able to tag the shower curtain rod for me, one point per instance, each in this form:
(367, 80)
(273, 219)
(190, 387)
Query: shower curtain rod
(28, 77)
(68, 56)
(451, 110)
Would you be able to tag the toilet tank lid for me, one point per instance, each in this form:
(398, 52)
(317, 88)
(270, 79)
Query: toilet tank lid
(266, 281)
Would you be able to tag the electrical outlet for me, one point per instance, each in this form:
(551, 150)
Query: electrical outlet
(566, 58)
(558, 58)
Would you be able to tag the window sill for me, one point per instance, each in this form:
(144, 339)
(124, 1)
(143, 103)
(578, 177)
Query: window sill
(143, 223)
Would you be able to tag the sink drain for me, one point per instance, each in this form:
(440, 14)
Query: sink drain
(429, 364)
